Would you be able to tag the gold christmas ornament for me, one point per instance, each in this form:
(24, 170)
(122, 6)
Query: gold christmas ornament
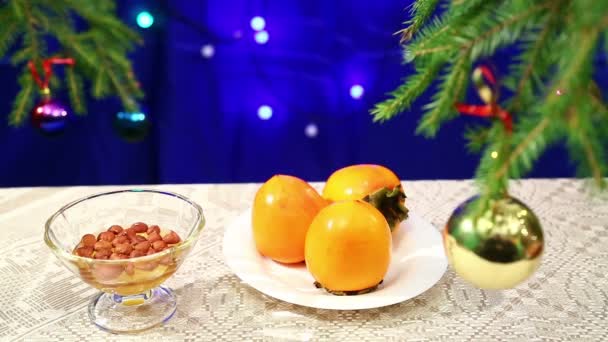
(496, 249)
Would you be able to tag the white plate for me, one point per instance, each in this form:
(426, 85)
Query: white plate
(417, 263)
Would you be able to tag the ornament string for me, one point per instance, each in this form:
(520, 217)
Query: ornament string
(487, 89)
(47, 67)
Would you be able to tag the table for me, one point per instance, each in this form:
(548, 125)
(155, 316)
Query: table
(567, 298)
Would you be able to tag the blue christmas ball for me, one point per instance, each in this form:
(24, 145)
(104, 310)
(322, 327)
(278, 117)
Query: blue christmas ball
(132, 126)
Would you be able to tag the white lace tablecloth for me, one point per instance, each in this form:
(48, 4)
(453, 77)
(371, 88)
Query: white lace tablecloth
(567, 298)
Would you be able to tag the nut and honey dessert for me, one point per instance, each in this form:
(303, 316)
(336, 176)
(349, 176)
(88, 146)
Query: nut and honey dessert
(118, 243)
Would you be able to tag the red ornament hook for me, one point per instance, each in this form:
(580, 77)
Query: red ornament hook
(47, 66)
(487, 89)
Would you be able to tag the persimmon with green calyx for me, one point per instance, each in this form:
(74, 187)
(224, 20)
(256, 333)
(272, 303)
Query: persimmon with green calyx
(282, 211)
(374, 184)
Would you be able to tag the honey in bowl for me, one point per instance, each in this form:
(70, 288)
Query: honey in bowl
(127, 277)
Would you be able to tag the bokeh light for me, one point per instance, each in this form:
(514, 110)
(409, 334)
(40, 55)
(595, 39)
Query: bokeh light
(356, 91)
(144, 19)
(265, 112)
(261, 37)
(131, 116)
(311, 130)
(258, 23)
(207, 50)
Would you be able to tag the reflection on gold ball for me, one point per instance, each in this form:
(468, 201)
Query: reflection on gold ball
(496, 249)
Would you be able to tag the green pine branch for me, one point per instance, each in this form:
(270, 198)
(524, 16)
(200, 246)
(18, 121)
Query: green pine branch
(551, 79)
(437, 33)
(8, 32)
(406, 94)
(496, 153)
(75, 88)
(24, 101)
(421, 12)
(451, 90)
(535, 61)
(107, 71)
(101, 84)
(477, 138)
(586, 146)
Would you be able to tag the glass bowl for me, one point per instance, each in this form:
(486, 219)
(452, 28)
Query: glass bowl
(132, 299)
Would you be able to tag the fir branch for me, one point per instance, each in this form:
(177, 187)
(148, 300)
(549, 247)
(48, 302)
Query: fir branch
(100, 50)
(586, 140)
(457, 15)
(9, 31)
(133, 84)
(24, 100)
(123, 92)
(101, 85)
(521, 148)
(506, 30)
(483, 37)
(407, 93)
(451, 90)
(17, 8)
(35, 45)
(83, 50)
(497, 151)
(75, 88)
(536, 59)
(575, 66)
(532, 59)
(421, 12)
(477, 138)
(592, 160)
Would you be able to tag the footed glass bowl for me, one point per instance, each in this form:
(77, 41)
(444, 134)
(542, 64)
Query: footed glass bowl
(132, 299)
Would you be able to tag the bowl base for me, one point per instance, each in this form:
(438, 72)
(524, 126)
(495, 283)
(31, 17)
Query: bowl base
(132, 314)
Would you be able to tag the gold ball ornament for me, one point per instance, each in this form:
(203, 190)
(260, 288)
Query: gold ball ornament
(496, 248)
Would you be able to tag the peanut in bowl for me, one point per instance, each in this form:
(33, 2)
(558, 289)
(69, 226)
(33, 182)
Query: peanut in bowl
(132, 298)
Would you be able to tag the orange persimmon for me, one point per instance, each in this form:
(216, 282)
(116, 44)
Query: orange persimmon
(282, 211)
(348, 247)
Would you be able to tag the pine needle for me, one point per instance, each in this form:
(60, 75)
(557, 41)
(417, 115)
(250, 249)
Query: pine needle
(403, 97)
(75, 89)
(24, 100)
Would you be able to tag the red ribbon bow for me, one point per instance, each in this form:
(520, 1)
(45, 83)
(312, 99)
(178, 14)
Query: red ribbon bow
(487, 89)
(47, 66)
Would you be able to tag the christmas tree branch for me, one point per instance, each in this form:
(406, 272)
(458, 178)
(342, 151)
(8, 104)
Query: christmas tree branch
(477, 138)
(8, 32)
(547, 79)
(452, 89)
(23, 100)
(495, 154)
(75, 90)
(574, 71)
(585, 141)
(489, 31)
(439, 31)
(126, 97)
(532, 55)
(421, 11)
(535, 60)
(520, 148)
(407, 93)
(591, 158)
(108, 69)
(100, 84)
(36, 47)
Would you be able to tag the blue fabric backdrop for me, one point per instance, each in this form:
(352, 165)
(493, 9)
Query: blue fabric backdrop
(204, 111)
